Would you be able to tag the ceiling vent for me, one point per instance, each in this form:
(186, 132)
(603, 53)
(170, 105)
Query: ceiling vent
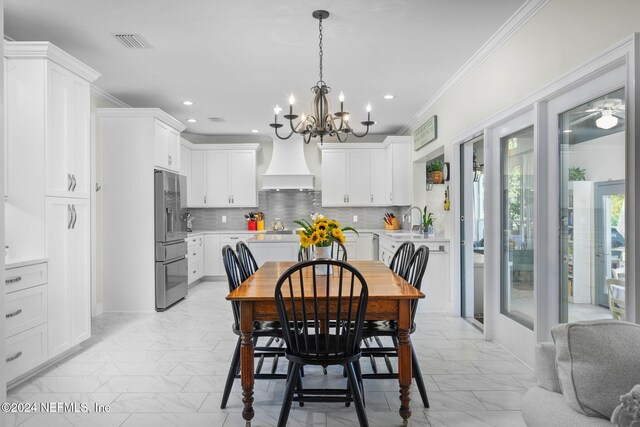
(132, 41)
(216, 119)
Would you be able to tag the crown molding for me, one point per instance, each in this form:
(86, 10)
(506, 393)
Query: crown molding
(142, 112)
(47, 50)
(504, 33)
(107, 98)
(196, 138)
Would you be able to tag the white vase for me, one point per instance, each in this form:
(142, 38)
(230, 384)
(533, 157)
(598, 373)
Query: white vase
(323, 252)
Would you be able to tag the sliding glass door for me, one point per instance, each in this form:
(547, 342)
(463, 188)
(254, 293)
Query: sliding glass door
(592, 233)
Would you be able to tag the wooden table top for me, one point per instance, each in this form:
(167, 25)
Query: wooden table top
(381, 281)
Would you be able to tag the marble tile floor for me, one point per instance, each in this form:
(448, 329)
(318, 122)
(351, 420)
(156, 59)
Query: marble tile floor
(168, 369)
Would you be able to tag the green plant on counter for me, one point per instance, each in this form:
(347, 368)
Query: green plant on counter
(436, 166)
(577, 174)
(427, 218)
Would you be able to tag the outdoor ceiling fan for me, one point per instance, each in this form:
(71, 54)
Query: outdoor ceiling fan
(609, 110)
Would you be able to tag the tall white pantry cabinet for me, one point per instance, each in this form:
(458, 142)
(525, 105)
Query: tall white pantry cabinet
(48, 181)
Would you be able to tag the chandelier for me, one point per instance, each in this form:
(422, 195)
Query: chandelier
(321, 122)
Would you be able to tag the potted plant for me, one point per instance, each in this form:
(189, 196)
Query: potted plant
(577, 174)
(427, 222)
(435, 169)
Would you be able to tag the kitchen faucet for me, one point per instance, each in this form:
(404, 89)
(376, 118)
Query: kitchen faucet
(411, 216)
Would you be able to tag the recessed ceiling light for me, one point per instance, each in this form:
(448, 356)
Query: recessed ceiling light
(389, 96)
(191, 120)
(255, 130)
(187, 102)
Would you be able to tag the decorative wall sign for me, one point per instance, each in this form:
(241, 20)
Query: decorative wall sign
(425, 133)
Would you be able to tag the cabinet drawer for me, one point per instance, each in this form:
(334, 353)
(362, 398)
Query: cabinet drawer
(195, 254)
(194, 272)
(25, 309)
(194, 241)
(25, 351)
(25, 277)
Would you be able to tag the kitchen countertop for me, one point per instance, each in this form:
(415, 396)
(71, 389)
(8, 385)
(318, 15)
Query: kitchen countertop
(21, 262)
(396, 235)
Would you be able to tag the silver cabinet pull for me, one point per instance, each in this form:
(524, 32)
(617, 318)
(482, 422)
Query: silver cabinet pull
(205, 200)
(194, 254)
(13, 280)
(69, 182)
(15, 313)
(70, 215)
(14, 357)
(234, 238)
(73, 178)
(391, 196)
(372, 198)
(75, 216)
(170, 160)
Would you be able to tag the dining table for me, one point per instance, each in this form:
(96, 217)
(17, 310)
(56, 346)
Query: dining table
(390, 298)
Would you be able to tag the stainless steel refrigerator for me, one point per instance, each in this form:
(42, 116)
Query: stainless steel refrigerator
(170, 233)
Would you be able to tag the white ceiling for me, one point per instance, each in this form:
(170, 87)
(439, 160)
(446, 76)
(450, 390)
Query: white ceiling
(237, 59)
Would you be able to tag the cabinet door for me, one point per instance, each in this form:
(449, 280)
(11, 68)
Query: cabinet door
(351, 245)
(402, 169)
(78, 140)
(359, 178)
(198, 184)
(59, 217)
(217, 183)
(334, 177)
(160, 131)
(242, 178)
(380, 177)
(58, 170)
(365, 246)
(185, 169)
(79, 259)
(173, 149)
(212, 255)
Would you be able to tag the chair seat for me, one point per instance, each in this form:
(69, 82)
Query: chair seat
(314, 347)
(373, 328)
(263, 329)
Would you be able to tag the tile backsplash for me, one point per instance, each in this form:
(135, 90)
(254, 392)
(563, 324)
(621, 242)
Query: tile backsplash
(289, 206)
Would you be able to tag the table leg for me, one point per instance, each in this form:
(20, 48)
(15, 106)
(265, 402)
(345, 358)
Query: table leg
(246, 359)
(404, 358)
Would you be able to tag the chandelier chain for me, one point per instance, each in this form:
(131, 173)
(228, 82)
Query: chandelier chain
(320, 45)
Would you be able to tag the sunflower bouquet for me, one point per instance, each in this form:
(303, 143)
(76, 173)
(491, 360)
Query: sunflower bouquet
(322, 232)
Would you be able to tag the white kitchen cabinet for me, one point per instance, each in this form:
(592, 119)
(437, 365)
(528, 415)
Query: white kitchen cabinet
(198, 179)
(264, 250)
(195, 256)
(217, 179)
(365, 247)
(185, 169)
(401, 171)
(334, 177)
(381, 175)
(351, 245)
(346, 177)
(167, 146)
(212, 257)
(68, 245)
(25, 351)
(67, 138)
(224, 177)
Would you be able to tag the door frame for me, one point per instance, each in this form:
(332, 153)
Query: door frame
(601, 189)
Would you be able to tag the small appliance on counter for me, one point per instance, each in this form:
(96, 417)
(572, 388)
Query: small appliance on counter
(170, 234)
(277, 225)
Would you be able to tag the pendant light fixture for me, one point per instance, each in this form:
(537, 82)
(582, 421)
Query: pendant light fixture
(321, 122)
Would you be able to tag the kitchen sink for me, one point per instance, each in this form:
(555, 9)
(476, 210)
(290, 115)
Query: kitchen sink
(279, 231)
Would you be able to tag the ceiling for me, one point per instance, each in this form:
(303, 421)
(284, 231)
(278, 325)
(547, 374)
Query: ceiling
(237, 59)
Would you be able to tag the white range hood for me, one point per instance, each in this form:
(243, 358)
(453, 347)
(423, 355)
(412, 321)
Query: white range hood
(288, 169)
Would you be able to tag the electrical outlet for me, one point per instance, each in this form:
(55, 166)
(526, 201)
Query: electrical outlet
(355, 218)
(224, 218)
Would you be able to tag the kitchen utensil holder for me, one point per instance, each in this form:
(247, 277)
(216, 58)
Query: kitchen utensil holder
(252, 225)
(395, 225)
